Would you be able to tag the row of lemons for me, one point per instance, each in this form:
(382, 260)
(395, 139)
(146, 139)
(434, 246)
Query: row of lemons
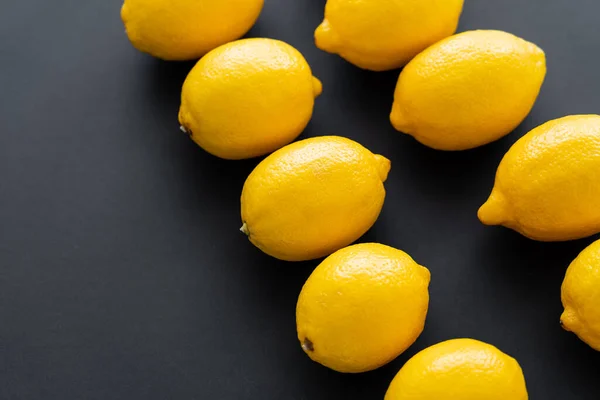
(365, 304)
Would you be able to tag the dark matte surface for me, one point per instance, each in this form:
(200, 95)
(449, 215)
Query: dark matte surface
(122, 271)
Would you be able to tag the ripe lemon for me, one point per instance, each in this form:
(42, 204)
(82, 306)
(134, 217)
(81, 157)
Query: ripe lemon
(313, 197)
(248, 98)
(581, 296)
(468, 90)
(187, 29)
(459, 369)
(548, 184)
(362, 307)
(381, 35)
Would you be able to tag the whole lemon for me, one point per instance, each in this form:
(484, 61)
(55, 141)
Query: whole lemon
(548, 184)
(362, 307)
(580, 295)
(459, 369)
(468, 90)
(187, 29)
(313, 197)
(380, 34)
(248, 98)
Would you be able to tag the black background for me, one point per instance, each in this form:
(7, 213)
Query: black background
(122, 271)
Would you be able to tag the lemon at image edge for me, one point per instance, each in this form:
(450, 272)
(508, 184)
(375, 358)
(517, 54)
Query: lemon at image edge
(547, 186)
(468, 90)
(580, 296)
(362, 307)
(459, 369)
(381, 35)
(248, 98)
(186, 29)
(313, 197)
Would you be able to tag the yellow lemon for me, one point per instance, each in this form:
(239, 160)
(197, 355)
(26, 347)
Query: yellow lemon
(313, 197)
(548, 184)
(581, 296)
(381, 35)
(459, 369)
(248, 98)
(362, 307)
(187, 29)
(468, 90)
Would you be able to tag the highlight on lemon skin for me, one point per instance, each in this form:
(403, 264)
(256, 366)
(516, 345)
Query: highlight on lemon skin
(580, 296)
(380, 35)
(248, 98)
(334, 180)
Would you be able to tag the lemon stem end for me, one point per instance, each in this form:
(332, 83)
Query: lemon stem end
(383, 166)
(325, 38)
(317, 87)
(493, 211)
(307, 345)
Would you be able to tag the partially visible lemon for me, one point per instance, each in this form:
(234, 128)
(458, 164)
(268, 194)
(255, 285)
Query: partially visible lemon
(187, 29)
(459, 369)
(313, 197)
(468, 90)
(248, 98)
(548, 184)
(362, 307)
(381, 35)
(580, 295)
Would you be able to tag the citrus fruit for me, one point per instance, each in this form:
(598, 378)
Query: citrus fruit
(468, 90)
(186, 29)
(248, 98)
(581, 296)
(459, 369)
(548, 184)
(362, 307)
(380, 35)
(313, 197)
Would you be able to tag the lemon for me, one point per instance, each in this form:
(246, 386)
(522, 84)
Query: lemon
(459, 369)
(581, 296)
(548, 184)
(362, 307)
(186, 29)
(313, 197)
(468, 90)
(248, 98)
(380, 34)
